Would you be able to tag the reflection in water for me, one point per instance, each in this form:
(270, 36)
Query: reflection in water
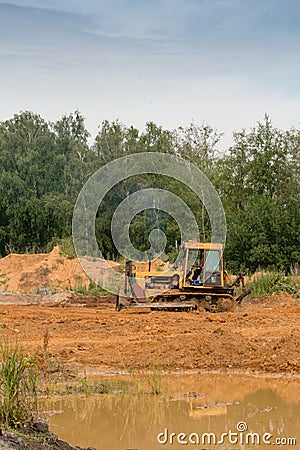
(216, 405)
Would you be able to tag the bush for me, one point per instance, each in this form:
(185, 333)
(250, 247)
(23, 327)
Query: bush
(18, 385)
(272, 282)
(92, 289)
(66, 246)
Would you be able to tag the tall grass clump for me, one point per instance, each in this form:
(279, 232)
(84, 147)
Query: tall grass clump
(272, 282)
(154, 379)
(91, 289)
(147, 381)
(18, 385)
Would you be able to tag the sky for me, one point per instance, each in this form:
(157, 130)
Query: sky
(223, 62)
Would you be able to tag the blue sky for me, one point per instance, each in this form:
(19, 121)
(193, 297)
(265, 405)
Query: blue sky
(226, 62)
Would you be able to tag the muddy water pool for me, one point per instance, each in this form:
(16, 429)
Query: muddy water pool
(194, 411)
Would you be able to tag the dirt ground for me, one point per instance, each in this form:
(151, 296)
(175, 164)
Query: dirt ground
(86, 332)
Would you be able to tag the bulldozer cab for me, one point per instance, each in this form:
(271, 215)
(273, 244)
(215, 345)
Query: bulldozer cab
(203, 265)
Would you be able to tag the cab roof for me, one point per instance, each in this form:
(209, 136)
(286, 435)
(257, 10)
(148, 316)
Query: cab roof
(194, 245)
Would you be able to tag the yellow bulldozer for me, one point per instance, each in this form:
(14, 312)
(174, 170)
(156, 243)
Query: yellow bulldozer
(198, 281)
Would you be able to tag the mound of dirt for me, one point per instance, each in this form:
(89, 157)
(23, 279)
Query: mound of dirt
(157, 265)
(43, 271)
(55, 271)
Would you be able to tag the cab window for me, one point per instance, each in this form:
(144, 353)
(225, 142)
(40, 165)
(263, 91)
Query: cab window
(212, 261)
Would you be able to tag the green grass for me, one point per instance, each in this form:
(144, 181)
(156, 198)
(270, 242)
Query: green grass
(147, 381)
(18, 385)
(92, 289)
(272, 282)
(154, 379)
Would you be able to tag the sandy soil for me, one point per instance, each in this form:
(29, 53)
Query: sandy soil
(261, 335)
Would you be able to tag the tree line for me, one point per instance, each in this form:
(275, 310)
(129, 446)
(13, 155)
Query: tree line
(44, 165)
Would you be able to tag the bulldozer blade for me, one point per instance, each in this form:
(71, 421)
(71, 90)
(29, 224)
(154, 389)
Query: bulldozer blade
(242, 296)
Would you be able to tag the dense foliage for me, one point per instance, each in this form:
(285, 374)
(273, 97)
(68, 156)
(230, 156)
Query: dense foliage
(43, 167)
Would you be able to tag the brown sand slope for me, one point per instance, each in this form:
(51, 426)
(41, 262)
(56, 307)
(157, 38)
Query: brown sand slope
(25, 273)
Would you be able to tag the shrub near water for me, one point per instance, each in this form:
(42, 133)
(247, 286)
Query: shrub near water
(18, 385)
(272, 282)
